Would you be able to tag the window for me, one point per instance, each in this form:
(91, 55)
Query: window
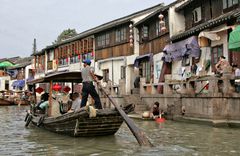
(103, 40)
(229, 3)
(62, 61)
(217, 51)
(144, 32)
(105, 75)
(123, 72)
(197, 15)
(158, 28)
(120, 35)
(185, 61)
(158, 68)
(87, 56)
(50, 55)
(74, 59)
(145, 70)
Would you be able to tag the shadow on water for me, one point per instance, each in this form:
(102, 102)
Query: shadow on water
(169, 139)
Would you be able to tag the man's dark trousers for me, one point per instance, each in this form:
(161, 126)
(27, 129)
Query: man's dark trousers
(89, 88)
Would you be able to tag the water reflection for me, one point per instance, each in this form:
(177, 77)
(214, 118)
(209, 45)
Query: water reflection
(169, 138)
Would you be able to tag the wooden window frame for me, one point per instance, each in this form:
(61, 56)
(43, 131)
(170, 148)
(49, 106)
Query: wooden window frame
(228, 7)
(215, 54)
(123, 72)
(105, 75)
(145, 33)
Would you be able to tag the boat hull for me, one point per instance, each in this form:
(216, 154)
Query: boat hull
(107, 122)
(4, 102)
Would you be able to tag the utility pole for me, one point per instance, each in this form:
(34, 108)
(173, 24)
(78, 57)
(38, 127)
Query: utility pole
(34, 46)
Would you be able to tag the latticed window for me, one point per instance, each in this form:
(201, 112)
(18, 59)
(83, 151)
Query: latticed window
(103, 40)
(229, 3)
(145, 33)
(120, 35)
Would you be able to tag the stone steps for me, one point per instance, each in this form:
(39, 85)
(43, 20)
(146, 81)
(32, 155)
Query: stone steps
(136, 100)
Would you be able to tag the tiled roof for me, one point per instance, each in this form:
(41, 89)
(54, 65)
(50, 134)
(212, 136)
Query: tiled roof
(209, 24)
(183, 5)
(22, 62)
(104, 26)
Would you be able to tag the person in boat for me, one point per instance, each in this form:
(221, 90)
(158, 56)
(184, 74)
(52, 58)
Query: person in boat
(65, 102)
(70, 101)
(76, 103)
(88, 88)
(43, 104)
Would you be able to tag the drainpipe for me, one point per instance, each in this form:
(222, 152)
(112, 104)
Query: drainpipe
(112, 74)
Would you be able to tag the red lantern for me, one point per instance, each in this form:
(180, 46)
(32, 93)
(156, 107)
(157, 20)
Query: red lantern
(57, 87)
(66, 89)
(39, 90)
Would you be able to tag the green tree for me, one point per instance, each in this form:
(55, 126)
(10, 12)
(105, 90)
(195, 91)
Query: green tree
(66, 34)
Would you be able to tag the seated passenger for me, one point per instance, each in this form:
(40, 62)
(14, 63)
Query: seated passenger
(43, 106)
(76, 103)
(44, 98)
(65, 104)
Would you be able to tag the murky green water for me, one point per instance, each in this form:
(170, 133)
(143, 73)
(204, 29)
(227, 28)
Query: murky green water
(170, 139)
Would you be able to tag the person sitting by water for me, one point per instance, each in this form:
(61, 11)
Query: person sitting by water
(76, 102)
(155, 110)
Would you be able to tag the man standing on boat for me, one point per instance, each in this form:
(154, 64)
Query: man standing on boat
(88, 87)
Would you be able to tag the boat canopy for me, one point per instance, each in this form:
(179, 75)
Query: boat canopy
(74, 76)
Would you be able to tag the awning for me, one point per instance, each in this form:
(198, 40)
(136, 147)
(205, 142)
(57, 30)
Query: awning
(18, 83)
(5, 64)
(176, 51)
(12, 73)
(212, 35)
(140, 58)
(234, 39)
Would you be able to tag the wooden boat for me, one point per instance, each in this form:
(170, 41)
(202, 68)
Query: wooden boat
(106, 122)
(4, 100)
(21, 102)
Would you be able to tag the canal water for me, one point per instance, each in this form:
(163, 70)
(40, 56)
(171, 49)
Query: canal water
(169, 139)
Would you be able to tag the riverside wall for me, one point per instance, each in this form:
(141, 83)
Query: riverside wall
(217, 109)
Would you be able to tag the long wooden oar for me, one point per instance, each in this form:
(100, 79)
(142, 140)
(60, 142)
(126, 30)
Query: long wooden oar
(139, 135)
